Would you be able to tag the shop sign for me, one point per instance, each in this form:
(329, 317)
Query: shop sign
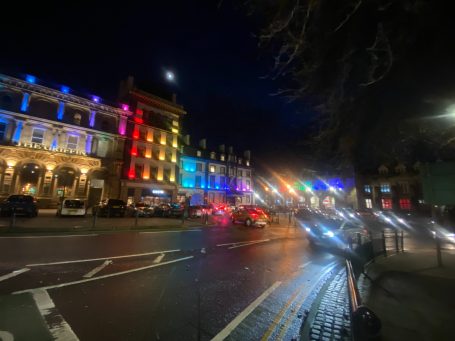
(43, 147)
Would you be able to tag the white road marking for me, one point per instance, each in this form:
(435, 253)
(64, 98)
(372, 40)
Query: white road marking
(146, 232)
(245, 242)
(104, 258)
(159, 258)
(97, 269)
(104, 276)
(239, 318)
(13, 274)
(252, 243)
(65, 236)
(6, 336)
(57, 325)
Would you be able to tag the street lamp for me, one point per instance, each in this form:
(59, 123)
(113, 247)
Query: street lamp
(170, 76)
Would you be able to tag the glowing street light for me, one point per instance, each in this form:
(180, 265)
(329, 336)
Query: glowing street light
(170, 76)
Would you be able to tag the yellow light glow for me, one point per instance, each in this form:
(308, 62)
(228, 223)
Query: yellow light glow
(161, 158)
(11, 163)
(175, 131)
(174, 145)
(163, 142)
(159, 178)
(84, 170)
(174, 159)
(171, 179)
(149, 139)
(148, 156)
(266, 189)
(145, 177)
(288, 186)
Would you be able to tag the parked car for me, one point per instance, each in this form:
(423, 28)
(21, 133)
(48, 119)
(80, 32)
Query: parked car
(141, 209)
(19, 204)
(162, 210)
(196, 211)
(72, 207)
(110, 208)
(177, 210)
(218, 209)
(250, 217)
(337, 233)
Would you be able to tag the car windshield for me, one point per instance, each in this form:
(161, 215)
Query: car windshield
(115, 202)
(73, 204)
(20, 198)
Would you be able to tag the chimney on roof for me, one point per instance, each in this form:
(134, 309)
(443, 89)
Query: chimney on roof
(203, 144)
(231, 150)
(186, 139)
(247, 154)
(125, 87)
(222, 148)
(174, 98)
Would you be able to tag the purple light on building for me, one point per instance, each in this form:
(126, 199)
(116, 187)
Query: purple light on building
(125, 107)
(95, 99)
(122, 126)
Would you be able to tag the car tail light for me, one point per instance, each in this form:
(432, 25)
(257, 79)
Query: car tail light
(254, 215)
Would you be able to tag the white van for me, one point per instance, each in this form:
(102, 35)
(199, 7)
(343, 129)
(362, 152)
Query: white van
(72, 207)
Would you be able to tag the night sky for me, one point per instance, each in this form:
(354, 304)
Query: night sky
(212, 51)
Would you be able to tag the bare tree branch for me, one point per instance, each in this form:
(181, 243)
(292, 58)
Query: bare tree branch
(348, 17)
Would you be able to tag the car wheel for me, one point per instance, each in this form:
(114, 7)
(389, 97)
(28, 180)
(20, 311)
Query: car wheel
(248, 222)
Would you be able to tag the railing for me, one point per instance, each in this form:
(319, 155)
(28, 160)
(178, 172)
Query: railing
(365, 325)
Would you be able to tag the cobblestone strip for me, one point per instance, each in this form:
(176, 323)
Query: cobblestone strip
(331, 320)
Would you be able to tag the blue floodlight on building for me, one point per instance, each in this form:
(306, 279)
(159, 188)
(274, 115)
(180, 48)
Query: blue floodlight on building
(60, 111)
(30, 79)
(65, 89)
(17, 133)
(24, 104)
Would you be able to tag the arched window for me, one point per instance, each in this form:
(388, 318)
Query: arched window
(77, 118)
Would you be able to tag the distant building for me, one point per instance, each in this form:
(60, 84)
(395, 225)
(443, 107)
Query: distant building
(391, 187)
(215, 177)
(150, 169)
(56, 143)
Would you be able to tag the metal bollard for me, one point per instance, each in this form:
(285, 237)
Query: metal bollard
(359, 239)
(396, 242)
(384, 246)
(136, 215)
(206, 218)
(402, 241)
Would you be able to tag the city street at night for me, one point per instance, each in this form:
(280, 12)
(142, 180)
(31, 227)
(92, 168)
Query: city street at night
(184, 285)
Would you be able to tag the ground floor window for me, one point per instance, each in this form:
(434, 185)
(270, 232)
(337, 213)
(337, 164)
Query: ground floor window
(386, 204)
(368, 203)
(405, 204)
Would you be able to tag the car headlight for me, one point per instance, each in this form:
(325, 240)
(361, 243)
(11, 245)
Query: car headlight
(307, 229)
(401, 221)
(329, 234)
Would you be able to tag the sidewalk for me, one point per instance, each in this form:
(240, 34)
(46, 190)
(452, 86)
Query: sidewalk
(413, 297)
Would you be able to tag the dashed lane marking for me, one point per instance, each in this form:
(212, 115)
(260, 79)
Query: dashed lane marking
(13, 274)
(57, 325)
(105, 276)
(159, 258)
(304, 265)
(97, 269)
(245, 242)
(248, 244)
(235, 322)
(104, 258)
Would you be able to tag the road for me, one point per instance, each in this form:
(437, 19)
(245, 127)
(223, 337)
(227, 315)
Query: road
(220, 282)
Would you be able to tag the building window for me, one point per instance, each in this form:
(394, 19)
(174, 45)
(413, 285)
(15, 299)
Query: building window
(222, 157)
(248, 199)
(386, 204)
(231, 171)
(77, 118)
(222, 170)
(248, 184)
(198, 153)
(72, 142)
(404, 187)
(38, 135)
(222, 182)
(199, 166)
(181, 179)
(367, 188)
(405, 204)
(212, 169)
(247, 162)
(239, 172)
(248, 174)
(385, 188)
(368, 203)
(2, 131)
(212, 181)
(212, 155)
(198, 181)
(139, 169)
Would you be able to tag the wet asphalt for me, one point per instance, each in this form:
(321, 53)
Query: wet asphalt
(191, 293)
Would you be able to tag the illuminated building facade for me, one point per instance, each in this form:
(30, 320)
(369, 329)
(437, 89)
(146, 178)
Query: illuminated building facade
(210, 177)
(55, 143)
(150, 169)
